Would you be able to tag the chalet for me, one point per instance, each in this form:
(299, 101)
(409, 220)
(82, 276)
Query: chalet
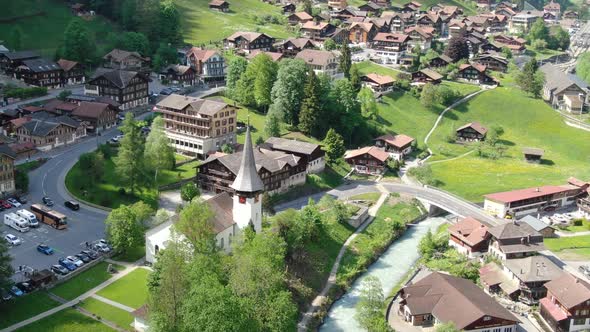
(275, 56)
(558, 85)
(348, 13)
(337, 4)
(517, 203)
(367, 160)
(475, 73)
(47, 131)
(411, 7)
(448, 12)
(469, 237)
(430, 20)
(59, 107)
(420, 37)
(179, 74)
(72, 72)
(22, 151)
(299, 18)
(339, 35)
(99, 116)
(472, 131)
(128, 88)
(538, 225)
(514, 240)
(292, 46)
(121, 59)
(399, 21)
(456, 28)
(477, 21)
(397, 146)
(321, 62)
(312, 155)
(491, 47)
(390, 47)
(521, 22)
(567, 304)
(40, 72)
(492, 61)
(440, 298)
(383, 24)
(426, 75)
(571, 15)
(553, 8)
(317, 31)
(209, 65)
(505, 11)
(9, 61)
(533, 155)
(249, 41)
(371, 7)
(516, 45)
(382, 3)
(219, 5)
(362, 32)
(440, 61)
(532, 274)
(288, 8)
(378, 83)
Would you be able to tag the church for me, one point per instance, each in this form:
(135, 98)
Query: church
(231, 214)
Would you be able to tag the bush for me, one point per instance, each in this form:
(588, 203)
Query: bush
(578, 222)
(23, 93)
(122, 191)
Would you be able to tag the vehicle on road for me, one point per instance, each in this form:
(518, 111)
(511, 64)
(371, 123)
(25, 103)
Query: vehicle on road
(75, 260)
(83, 257)
(90, 253)
(21, 199)
(12, 240)
(67, 264)
(47, 201)
(73, 205)
(5, 205)
(14, 202)
(166, 91)
(28, 216)
(5, 295)
(585, 269)
(59, 270)
(49, 217)
(101, 247)
(25, 287)
(45, 249)
(16, 291)
(16, 222)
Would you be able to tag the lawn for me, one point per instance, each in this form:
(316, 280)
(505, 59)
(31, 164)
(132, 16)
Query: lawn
(467, 7)
(131, 290)
(526, 122)
(541, 54)
(132, 255)
(574, 248)
(68, 320)
(369, 197)
(203, 26)
(84, 281)
(25, 307)
(368, 67)
(44, 32)
(108, 312)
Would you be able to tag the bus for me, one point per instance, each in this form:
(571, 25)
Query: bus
(50, 217)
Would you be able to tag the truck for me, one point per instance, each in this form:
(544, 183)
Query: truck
(16, 222)
(28, 216)
(49, 217)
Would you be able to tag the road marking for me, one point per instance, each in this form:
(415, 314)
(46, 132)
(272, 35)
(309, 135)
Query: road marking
(45, 176)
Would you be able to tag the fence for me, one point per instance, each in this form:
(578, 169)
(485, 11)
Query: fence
(176, 185)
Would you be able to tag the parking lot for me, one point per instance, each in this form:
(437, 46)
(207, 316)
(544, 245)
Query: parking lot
(563, 217)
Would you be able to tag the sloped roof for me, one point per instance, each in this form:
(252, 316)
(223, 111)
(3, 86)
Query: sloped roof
(120, 55)
(42, 123)
(479, 67)
(312, 25)
(533, 151)
(370, 150)
(520, 194)
(475, 126)
(399, 140)
(391, 37)
(535, 223)
(470, 230)
(91, 110)
(299, 42)
(380, 79)
(367, 26)
(178, 69)
(557, 80)
(41, 65)
(177, 102)
(316, 57)
(513, 230)
(569, 290)
(19, 55)
(200, 54)
(275, 56)
(217, 2)
(303, 16)
(66, 65)
(248, 179)
(249, 36)
(291, 145)
(119, 78)
(431, 73)
(534, 268)
(222, 207)
(6, 150)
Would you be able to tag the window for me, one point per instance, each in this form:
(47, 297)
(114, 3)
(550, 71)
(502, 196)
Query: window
(486, 318)
(508, 329)
(221, 243)
(579, 321)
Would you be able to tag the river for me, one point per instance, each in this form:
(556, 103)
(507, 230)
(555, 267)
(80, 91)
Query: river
(389, 268)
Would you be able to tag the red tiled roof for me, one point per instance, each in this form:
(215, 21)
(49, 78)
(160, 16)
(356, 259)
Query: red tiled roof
(528, 193)
(303, 16)
(479, 67)
(200, 54)
(32, 108)
(476, 126)
(66, 65)
(314, 25)
(371, 150)
(275, 56)
(469, 230)
(20, 121)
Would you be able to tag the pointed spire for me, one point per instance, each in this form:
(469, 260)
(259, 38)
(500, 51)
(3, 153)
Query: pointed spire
(248, 179)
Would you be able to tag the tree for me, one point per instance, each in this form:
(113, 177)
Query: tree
(539, 44)
(272, 125)
(345, 60)
(165, 55)
(15, 40)
(369, 309)
(255, 85)
(6, 269)
(429, 95)
(142, 212)
(506, 52)
(123, 230)
(93, 165)
(78, 44)
(21, 180)
(309, 221)
(129, 161)
(530, 79)
(538, 31)
(330, 44)
(368, 104)
(334, 145)
(158, 153)
(447, 327)
(195, 223)
(133, 41)
(236, 67)
(189, 191)
(457, 48)
(63, 95)
(169, 24)
(425, 60)
(561, 39)
(128, 14)
(308, 7)
(287, 91)
(583, 66)
(310, 116)
(494, 135)
(355, 78)
(227, 148)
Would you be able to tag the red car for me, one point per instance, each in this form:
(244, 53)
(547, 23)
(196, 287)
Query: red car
(5, 204)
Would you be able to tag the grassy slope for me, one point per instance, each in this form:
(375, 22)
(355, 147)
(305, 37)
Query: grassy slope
(108, 312)
(202, 25)
(45, 32)
(83, 282)
(571, 248)
(131, 290)
(24, 307)
(527, 123)
(426, 4)
(66, 320)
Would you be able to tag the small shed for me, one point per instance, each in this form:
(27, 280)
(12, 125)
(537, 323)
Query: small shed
(219, 5)
(539, 226)
(533, 155)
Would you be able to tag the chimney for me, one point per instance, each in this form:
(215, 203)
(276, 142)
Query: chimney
(537, 189)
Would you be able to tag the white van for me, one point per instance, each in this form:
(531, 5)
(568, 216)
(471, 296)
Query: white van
(28, 216)
(16, 222)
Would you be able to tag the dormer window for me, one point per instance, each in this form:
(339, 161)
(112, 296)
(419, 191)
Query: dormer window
(486, 318)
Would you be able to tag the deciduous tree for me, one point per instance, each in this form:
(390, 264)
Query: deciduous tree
(189, 191)
(78, 44)
(272, 125)
(236, 67)
(538, 31)
(6, 270)
(123, 229)
(287, 91)
(195, 222)
(330, 44)
(457, 48)
(158, 153)
(129, 161)
(369, 309)
(368, 103)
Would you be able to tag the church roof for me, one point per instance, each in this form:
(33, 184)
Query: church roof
(248, 179)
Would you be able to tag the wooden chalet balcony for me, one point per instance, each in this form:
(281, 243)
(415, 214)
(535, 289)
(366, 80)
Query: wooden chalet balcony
(181, 114)
(219, 173)
(208, 179)
(187, 124)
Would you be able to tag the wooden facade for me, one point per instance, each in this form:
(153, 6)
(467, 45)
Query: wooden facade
(129, 89)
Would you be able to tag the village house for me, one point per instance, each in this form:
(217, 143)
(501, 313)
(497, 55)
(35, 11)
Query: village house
(98, 116)
(553, 8)
(514, 240)
(59, 107)
(178, 74)
(219, 5)
(317, 31)
(337, 4)
(72, 72)
(299, 18)
(292, 46)
(505, 10)
(275, 56)
(383, 24)
(538, 225)
(456, 28)
(40, 72)
(209, 65)
(47, 131)
(121, 59)
(362, 32)
(430, 20)
(491, 61)
(9, 61)
(399, 21)
(571, 15)
(474, 42)
(321, 62)
(533, 155)
(440, 298)
(532, 273)
(559, 85)
(397, 146)
(368, 160)
(475, 73)
(128, 88)
(440, 61)
(472, 131)
(7, 157)
(349, 13)
(378, 83)
(371, 7)
(514, 44)
(249, 41)
(288, 8)
(390, 47)
(521, 22)
(566, 308)
(311, 154)
(197, 127)
(522, 202)
(411, 7)
(420, 37)
(424, 76)
(469, 236)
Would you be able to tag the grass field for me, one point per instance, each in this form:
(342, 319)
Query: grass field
(202, 26)
(84, 282)
(367, 67)
(426, 4)
(24, 307)
(66, 320)
(369, 197)
(527, 122)
(131, 290)
(132, 255)
(573, 248)
(108, 312)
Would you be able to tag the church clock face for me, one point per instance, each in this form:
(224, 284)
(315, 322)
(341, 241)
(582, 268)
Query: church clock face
(242, 200)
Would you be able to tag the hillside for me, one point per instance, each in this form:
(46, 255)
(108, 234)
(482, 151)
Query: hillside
(468, 7)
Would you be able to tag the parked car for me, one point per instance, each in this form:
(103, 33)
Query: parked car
(67, 264)
(12, 240)
(75, 260)
(25, 287)
(5, 295)
(16, 291)
(166, 91)
(73, 205)
(59, 270)
(47, 201)
(585, 269)
(101, 247)
(83, 257)
(45, 249)
(90, 253)
(5, 204)
(21, 199)
(14, 202)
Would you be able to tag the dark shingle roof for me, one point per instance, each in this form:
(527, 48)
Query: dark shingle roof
(557, 80)
(7, 151)
(512, 230)
(533, 269)
(291, 145)
(41, 65)
(19, 55)
(42, 123)
(120, 78)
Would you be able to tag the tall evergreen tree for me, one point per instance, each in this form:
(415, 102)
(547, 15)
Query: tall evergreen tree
(355, 78)
(310, 116)
(307, 7)
(6, 270)
(78, 44)
(129, 161)
(287, 92)
(345, 59)
(272, 126)
(169, 23)
(128, 14)
(15, 40)
(530, 79)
